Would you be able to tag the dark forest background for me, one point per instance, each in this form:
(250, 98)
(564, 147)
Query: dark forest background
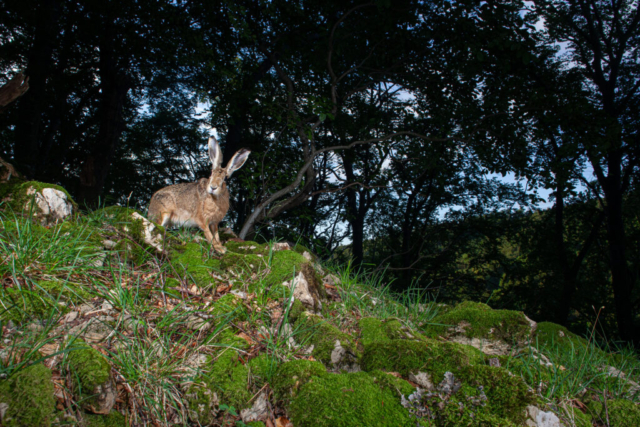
(380, 132)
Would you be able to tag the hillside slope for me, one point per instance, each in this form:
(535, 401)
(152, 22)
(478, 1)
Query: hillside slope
(109, 320)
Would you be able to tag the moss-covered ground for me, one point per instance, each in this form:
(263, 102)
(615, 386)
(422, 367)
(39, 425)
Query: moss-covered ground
(190, 336)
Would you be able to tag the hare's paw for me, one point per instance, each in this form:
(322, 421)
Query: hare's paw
(219, 248)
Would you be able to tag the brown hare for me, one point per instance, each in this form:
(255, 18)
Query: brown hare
(200, 204)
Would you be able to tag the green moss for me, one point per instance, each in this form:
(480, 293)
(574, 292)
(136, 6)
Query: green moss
(341, 400)
(262, 369)
(457, 411)
(89, 369)
(201, 403)
(247, 247)
(229, 378)
(429, 356)
(385, 380)
(577, 418)
(113, 419)
(283, 266)
(25, 305)
(371, 331)
(622, 413)
(280, 268)
(479, 320)
(552, 335)
(28, 395)
(508, 395)
(376, 330)
(312, 329)
(291, 376)
(255, 424)
(125, 224)
(295, 311)
(301, 249)
(226, 309)
(195, 262)
(228, 338)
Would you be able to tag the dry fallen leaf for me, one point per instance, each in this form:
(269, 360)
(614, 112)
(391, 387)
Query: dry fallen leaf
(246, 337)
(49, 348)
(283, 422)
(223, 289)
(276, 315)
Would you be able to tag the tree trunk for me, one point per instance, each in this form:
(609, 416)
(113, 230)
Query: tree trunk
(354, 216)
(115, 85)
(33, 103)
(620, 277)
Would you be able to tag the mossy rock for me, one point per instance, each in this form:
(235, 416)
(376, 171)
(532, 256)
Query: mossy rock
(128, 228)
(262, 369)
(28, 395)
(508, 395)
(314, 330)
(226, 382)
(345, 400)
(291, 376)
(429, 356)
(227, 308)
(280, 266)
(91, 375)
(247, 248)
(284, 265)
(227, 338)
(376, 330)
(113, 419)
(195, 261)
(15, 192)
(249, 263)
(480, 321)
(551, 335)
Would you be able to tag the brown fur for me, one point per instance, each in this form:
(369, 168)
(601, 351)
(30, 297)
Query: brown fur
(193, 204)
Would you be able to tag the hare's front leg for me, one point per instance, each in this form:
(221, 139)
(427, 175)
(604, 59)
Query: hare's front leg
(215, 238)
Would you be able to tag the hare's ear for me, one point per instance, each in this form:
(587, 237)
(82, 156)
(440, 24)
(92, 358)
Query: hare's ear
(237, 161)
(215, 154)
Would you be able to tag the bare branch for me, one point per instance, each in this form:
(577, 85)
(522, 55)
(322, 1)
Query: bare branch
(15, 88)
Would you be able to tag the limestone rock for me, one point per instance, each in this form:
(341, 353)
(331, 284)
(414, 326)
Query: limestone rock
(197, 323)
(423, 380)
(258, 412)
(539, 418)
(281, 246)
(487, 346)
(343, 360)
(149, 233)
(52, 205)
(331, 280)
(95, 330)
(303, 293)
